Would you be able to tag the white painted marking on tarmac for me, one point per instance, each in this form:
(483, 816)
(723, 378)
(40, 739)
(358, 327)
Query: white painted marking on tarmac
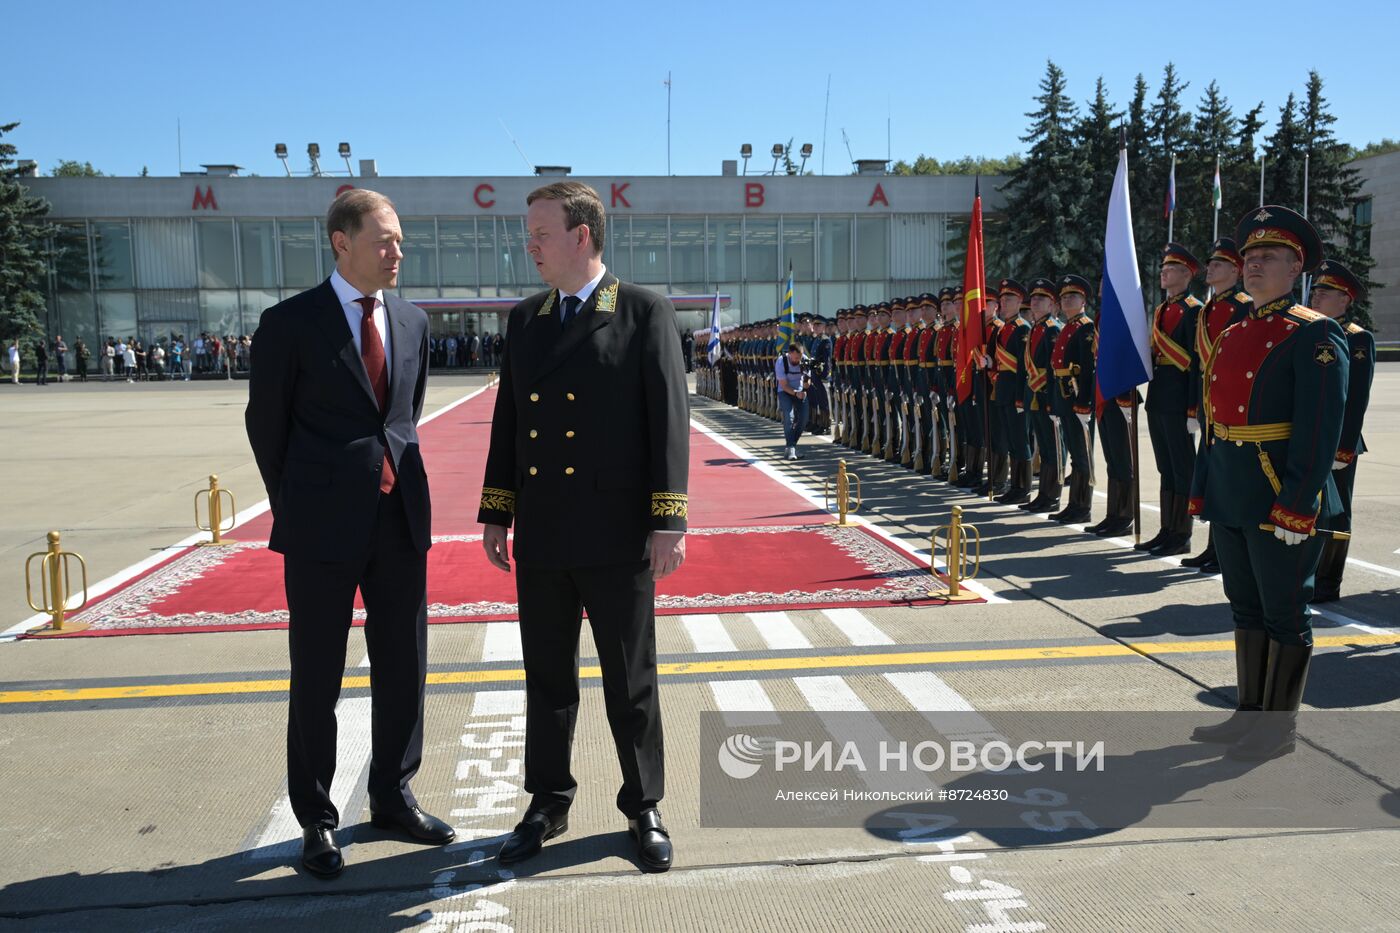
(281, 836)
(498, 703)
(919, 555)
(1335, 616)
(1150, 508)
(1374, 567)
(927, 692)
(743, 703)
(857, 627)
(707, 633)
(103, 587)
(778, 630)
(502, 642)
(830, 694)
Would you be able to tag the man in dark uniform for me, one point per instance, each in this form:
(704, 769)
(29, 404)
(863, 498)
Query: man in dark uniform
(1333, 292)
(1275, 389)
(860, 378)
(1114, 417)
(894, 380)
(877, 361)
(1171, 410)
(589, 459)
(969, 411)
(1044, 423)
(1072, 367)
(819, 349)
(992, 434)
(839, 378)
(1229, 303)
(923, 383)
(1009, 404)
(945, 345)
(909, 379)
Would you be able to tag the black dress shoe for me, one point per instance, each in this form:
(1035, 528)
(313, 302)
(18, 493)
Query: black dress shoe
(653, 842)
(1114, 527)
(416, 824)
(1212, 567)
(1200, 560)
(1015, 497)
(1073, 516)
(1172, 545)
(530, 834)
(319, 854)
(1151, 542)
(1319, 596)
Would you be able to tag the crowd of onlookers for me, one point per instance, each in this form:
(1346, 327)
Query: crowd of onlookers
(462, 351)
(171, 357)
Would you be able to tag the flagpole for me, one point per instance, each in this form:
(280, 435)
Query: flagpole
(1137, 485)
(1171, 199)
(1216, 197)
(1307, 283)
(1261, 179)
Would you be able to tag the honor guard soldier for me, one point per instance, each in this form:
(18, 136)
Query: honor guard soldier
(1229, 303)
(1275, 389)
(909, 374)
(855, 349)
(944, 349)
(838, 377)
(969, 413)
(1072, 365)
(1333, 292)
(877, 353)
(819, 349)
(1171, 399)
(1044, 423)
(994, 431)
(894, 380)
(1008, 406)
(1114, 416)
(924, 449)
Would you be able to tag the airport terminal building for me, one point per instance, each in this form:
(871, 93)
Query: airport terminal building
(148, 257)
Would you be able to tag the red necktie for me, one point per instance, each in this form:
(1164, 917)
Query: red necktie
(372, 353)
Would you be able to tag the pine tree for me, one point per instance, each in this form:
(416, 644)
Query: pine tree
(1045, 196)
(1139, 171)
(1213, 139)
(23, 234)
(1240, 172)
(1283, 159)
(1097, 136)
(1333, 187)
(1170, 134)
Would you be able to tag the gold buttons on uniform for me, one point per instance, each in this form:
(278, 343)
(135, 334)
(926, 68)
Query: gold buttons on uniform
(568, 433)
(534, 433)
(568, 471)
(533, 471)
(534, 396)
(569, 396)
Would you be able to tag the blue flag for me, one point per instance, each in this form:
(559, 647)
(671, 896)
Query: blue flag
(714, 332)
(787, 326)
(1124, 361)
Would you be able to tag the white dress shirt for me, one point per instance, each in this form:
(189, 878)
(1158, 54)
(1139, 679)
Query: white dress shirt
(354, 314)
(583, 294)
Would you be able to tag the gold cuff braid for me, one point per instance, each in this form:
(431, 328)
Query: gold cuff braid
(669, 505)
(497, 500)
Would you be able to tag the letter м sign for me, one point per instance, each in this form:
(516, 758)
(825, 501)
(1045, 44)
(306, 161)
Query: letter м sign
(204, 199)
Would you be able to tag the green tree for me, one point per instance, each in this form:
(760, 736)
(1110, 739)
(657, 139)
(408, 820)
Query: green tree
(1097, 136)
(23, 233)
(1169, 134)
(1283, 159)
(1240, 173)
(1334, 186)
(1045, 194)
(1374, 149)
(1213, 138)
(967, 165)
(1139, 172)
(70, 168)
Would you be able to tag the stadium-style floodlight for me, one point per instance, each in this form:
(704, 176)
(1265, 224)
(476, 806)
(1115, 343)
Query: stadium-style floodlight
(745, 151)
(806, 154)
(313, 150)
(777, 154)
(280, 150)
(345, 154)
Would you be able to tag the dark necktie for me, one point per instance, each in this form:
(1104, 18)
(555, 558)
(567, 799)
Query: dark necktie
(372, 354)
(568, 309)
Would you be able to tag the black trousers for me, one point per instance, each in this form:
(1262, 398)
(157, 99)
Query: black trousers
(620, 601)
(320, 595)
(1173, 449)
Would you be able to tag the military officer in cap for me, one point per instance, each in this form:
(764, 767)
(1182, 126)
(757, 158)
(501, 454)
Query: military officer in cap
(1229, 303)
(995, 434)
(909, 374)
(1275, 389)
(838, 376)
(946, 363)
(819, 349)
(860, 407)
(1333, 292)
(1044, 423)
(1171, 399)
(894, 380)
(1072, 366)
(923, 383)
(1008, 405)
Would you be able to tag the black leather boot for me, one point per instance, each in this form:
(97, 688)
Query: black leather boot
(1277, 733)
(1251, 670)
(1328, 588)
(1161, 535)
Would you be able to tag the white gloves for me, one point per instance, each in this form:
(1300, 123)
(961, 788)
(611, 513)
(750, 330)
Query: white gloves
(1339, 465)
(1193, 426)
(1289, 537)
(1084, 419)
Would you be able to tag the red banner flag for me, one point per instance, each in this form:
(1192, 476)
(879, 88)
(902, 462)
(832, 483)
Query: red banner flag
(971, 333)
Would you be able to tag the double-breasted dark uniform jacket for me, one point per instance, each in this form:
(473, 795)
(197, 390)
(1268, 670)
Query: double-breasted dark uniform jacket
(1171, 396)
(1009, 401)
(590, 440)
(316, 430)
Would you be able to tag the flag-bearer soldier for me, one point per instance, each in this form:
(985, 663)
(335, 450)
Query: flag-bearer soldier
(1114, 416)
(1009, 405)
(1333, 292)
(1171, 411)
(1230, 302)
(1275, 389)
(1072, 366)
(995, 482)
(1035, 359)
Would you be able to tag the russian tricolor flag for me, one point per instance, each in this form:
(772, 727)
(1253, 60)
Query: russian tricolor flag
(1124, 361)
(1169, 205)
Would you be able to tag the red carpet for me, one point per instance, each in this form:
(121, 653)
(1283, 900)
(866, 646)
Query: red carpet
(754, 545)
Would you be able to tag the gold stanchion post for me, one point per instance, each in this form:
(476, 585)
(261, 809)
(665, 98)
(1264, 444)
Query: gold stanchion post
(843, 494)
(214, 497)
(955, 535)
(54, 592)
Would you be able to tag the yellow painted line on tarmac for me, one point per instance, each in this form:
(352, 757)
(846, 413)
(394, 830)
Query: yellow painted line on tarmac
(677, 668)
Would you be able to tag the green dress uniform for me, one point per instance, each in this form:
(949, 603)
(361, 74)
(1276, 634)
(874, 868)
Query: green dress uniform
(589, 455)
(945, 377)
(1170, 403)
(1038, 403)
(1361, 350)
(923, 387)
(993, 429)
(1275, 392)
(1072, 367)
(1008, 405)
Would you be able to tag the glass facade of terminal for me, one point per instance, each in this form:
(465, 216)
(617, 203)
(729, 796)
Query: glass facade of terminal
(148, 277)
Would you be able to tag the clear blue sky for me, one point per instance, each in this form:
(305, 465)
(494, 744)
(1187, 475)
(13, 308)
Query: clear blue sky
(426, 88)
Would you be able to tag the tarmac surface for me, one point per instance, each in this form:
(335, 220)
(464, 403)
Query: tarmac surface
(144, 788)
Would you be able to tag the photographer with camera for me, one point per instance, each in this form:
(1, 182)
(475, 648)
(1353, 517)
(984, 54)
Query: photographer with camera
(792, 396)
